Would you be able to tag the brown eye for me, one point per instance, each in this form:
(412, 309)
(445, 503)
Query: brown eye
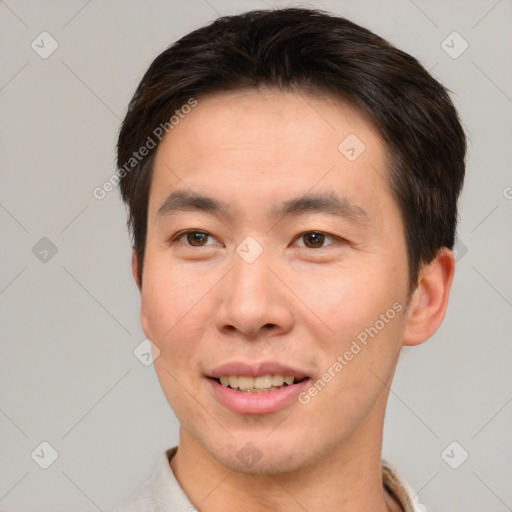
(194, 238)
(314, 239)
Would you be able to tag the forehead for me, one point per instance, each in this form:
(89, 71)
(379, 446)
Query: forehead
(265, 144)
(266, 114)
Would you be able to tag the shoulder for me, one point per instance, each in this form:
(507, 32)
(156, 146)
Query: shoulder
(160, 493)
(400, 489)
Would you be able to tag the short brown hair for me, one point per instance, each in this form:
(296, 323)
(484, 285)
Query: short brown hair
(312, 50)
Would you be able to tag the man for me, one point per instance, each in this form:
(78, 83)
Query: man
(292, 184)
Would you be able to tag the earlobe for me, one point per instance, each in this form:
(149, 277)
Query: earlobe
(429, 301)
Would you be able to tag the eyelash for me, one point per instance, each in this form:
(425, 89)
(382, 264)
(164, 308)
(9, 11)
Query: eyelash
(332, 237)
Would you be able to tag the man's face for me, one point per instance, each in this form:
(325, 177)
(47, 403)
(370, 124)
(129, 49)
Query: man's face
(260, 288)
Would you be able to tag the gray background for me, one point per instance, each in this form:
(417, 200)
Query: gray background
(70, 319)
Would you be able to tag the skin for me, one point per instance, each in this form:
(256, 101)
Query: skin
(203, 305)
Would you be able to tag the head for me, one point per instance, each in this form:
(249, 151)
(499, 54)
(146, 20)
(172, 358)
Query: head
(296, 200)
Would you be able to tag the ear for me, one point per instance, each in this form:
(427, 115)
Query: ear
(428, 303)
(135, 269)
(143, 318)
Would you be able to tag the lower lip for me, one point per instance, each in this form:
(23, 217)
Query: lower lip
(257, 403)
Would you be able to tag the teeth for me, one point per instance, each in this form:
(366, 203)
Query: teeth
(277, 380)
(264, 382)
(244, 383)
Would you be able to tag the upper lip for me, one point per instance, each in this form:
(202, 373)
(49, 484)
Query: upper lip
(256, 369)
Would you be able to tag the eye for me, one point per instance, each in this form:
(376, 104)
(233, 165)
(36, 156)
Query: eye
(193, 238)
(313, 239)
(316, 239)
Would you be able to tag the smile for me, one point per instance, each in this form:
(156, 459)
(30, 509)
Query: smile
(263, 384)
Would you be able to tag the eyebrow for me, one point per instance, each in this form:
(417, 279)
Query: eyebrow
(327, 202)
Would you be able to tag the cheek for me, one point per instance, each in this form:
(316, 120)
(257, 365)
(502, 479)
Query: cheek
(171, 303)
(358, 366)
(346, 300)
(364, 314)
(169, 291)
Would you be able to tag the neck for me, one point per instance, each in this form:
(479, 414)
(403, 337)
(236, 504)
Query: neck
(347, 479)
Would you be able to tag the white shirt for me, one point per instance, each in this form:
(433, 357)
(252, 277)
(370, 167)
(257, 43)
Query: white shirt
(163, 493)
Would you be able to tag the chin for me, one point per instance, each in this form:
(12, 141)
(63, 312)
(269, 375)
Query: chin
(265, 462)
(260, 455)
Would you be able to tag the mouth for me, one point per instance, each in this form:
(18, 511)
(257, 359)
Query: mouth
(262, 384)
(256, 387)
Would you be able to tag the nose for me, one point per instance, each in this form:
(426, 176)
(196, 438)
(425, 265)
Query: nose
(254, 300)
